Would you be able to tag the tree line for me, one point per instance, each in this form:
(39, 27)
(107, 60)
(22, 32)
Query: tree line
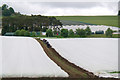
(78, 33)
(16, 21)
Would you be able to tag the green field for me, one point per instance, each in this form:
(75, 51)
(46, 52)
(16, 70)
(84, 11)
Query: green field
(99, 20)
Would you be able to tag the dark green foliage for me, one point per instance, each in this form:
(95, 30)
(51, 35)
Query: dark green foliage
(4, 6)
(49, 33)
(22, 32)
(34, 34)
(109, 32)
(88, 31)
(7, 11)
(17, 33)
(64, 32)
(27, 33)
(13, 21)
(119, 13)
(81, 32)
(3, 31)
(11, 10)
(71, 33)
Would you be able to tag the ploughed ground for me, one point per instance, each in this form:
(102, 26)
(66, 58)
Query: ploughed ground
(72, 70)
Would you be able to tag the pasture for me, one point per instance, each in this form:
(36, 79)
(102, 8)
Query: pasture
(98, 20)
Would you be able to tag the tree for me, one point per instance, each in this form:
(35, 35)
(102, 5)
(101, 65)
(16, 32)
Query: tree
(49, 33)
(109, 32)
(6, 12)
(119, 13)
(64, 32)
(88, 31)
(81, 32)
(27, 33)
(4, 6)
(11, 10)
(17, 33)
(22, 32)
(34, 34)
(71, 33)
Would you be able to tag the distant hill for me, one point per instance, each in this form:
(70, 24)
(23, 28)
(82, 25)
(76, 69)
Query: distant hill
(98, 20)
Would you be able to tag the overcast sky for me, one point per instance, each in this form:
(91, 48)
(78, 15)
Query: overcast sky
(64, 8)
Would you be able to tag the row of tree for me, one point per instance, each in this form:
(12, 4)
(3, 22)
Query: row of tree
(25, 33)
(11, 23)
(80, 32)
(70, 33)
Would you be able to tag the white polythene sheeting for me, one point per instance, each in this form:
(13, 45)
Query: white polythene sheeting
(97, 55)
(24, 57)
(0, 56)
(92, 27)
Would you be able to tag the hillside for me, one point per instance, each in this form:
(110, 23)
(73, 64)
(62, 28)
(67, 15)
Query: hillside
(99, 20)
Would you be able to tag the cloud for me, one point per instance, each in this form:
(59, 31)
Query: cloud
(65, 8)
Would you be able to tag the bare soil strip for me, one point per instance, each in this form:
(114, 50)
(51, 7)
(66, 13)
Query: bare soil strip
(73, 70)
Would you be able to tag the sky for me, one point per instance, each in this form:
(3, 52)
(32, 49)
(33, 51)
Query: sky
(64, 7)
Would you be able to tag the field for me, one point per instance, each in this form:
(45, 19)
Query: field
(97, 55)
(99, 20)
(24, 57)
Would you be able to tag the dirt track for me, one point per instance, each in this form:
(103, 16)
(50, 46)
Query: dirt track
(73, 70)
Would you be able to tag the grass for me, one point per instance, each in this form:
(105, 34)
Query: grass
(90, 36)
(99, 20)
(115, 72)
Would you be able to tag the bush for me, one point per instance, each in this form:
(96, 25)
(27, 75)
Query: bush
(22, 32)
(27, 33)
(81, 32)
(109, 32)
(71, 33)
(49, 33)
(64, 32)
(33, 34)
(17, 33)
(88, 31)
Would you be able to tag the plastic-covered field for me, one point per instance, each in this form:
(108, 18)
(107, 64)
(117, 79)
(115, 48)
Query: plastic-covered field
(92, 27)
(24, 57)
(97, 55)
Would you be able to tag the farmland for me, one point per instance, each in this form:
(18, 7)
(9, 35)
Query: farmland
(99, 20)
(26, 60)
(92, 54)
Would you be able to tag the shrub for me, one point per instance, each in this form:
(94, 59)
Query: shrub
(71, 33)
(81, 32)
(88, 31)
(34, 34)
(64, 32)
(17, 33)
(49, 33)
(22, 32)
(27, 33)
(109, 32)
